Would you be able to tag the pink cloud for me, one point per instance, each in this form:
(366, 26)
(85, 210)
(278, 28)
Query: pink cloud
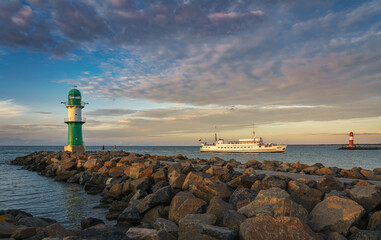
(258, 13)
(22, 17)
(219, 16)
(128, 15)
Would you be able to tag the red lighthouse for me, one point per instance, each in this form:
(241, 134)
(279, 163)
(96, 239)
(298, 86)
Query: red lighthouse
(351, 139)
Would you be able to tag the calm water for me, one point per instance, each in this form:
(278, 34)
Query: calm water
(69, 204)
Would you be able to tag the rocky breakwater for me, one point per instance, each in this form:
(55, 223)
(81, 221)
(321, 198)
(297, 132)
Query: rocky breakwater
(160, 197)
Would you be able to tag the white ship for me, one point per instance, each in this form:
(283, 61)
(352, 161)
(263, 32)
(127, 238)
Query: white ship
(250, 145)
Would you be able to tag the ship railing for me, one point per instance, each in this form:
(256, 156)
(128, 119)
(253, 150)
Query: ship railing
(209, 144)
(74, 119)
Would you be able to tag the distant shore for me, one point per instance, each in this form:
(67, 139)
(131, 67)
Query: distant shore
(170, 197)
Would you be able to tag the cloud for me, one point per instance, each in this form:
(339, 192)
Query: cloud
(9, 109)
(110, 112)
(43, 112)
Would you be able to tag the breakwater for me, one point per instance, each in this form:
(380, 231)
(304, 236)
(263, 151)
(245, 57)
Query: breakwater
(176, 197)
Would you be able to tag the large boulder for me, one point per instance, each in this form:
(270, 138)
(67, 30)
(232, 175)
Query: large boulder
(176, 179)
(116, 191)
(232, 219)
(304, 195)
(324, 171)
(193, 178)
(162, 224)
(266, 197)
(23, 232)
(141, 233)
(208, 188)
(116, 171)
(116, 209)
(200, 226)
(36, 222)
(130, 215)
(154, 213)
(89, 222)
(368, 197)
(91, 163)
(366, 235)
(56, 230)
(241, 197)
(329, 183)
(335, 214)
(279, 228)
(140, 184)
(6, 229)
(102, 233)
(160, 197)
(184, 203)
(274, 202)
(375, 221)
(64, 175)
(218, 207)
(271, 181)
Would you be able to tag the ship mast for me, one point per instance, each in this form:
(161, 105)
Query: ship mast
(215, 134)
(253, 132)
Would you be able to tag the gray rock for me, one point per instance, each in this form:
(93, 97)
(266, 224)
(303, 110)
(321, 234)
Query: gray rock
(304, 195)
(162, 224)
(218, 207)
(271, 181)
(116, 209)
(336, 236)
(282, 228)
(154, 213)
(341, 194)
(159, 185)
(89, 222)
(216, 232)
(103, 233)
(95, 189)
(130, 215)
(329, 183)
(366, 235)
(190, 226)
(164, 235)
(375, 221)
(64, 175)
(185, 203)
(36, 222)
(233, 219)
(335, 214)
(162, 196)
(141, 183)
(203, 218)
(208, 188)
(241, 197)
(368, 197)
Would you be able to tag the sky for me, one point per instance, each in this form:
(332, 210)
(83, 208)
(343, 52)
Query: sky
(169, 72)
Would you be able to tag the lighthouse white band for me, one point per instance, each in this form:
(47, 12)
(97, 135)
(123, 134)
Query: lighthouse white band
(350, 138)
(74, 114)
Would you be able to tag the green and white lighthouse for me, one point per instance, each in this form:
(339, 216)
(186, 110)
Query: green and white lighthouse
(74, 122)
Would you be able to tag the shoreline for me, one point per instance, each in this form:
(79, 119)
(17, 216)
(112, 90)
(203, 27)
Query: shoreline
(226, 196)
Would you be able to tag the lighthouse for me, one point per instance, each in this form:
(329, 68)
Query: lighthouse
(74, 122)
(350, 139)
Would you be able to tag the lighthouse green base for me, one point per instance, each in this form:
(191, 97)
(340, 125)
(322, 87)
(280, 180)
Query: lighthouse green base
(74, 137)
(75, 148)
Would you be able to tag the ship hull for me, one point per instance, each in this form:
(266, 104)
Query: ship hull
(238, 149)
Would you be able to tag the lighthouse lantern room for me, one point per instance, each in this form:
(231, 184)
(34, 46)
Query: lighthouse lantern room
(74, 121)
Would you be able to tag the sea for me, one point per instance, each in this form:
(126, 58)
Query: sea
(69, 203)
